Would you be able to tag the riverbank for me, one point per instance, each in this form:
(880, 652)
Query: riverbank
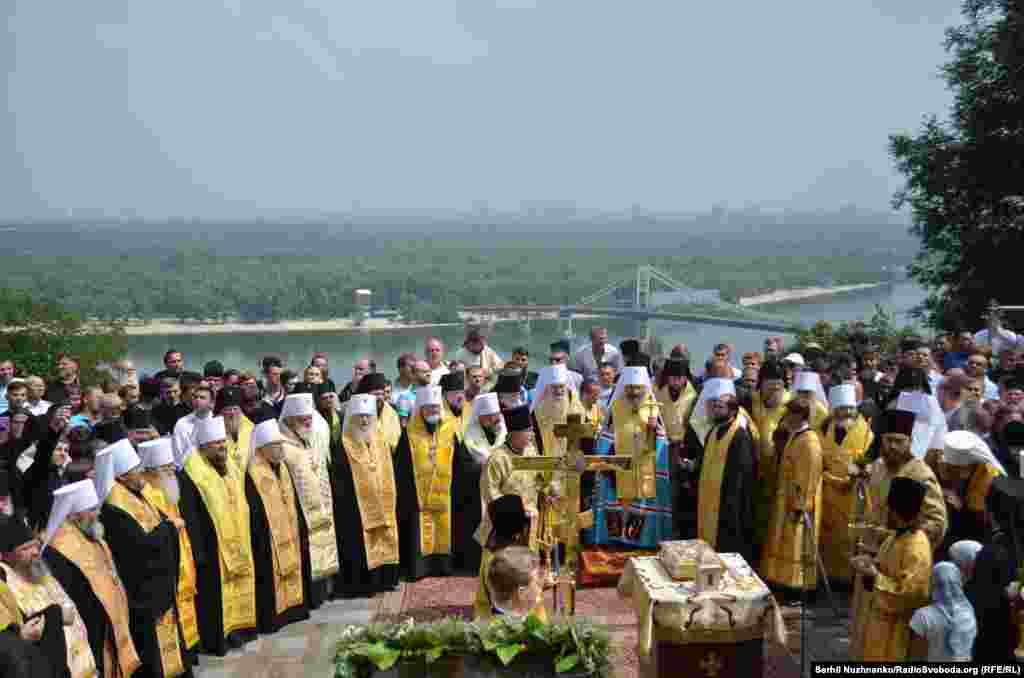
(782, 296)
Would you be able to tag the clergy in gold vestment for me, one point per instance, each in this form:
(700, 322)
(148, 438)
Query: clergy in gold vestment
(896, 430)
(366, 494)
(163, 490)
(789, 556)
(554, 403)
(216, 514)
(81, 562)
(808, 388)
(485, 434)
(229, 405)
(144, 543)
(36, 591)
(388, 423)
(966, 471)
(427, 461)
(727, 471)
(767, 408)
(845, 437)
(453, 388)
(500, 478)
(278, 532)
(677, 398)
(307, 454)
(897, 580)
(27, 645)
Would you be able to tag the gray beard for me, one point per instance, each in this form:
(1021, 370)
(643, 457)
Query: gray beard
(170, 488)
(38, 570)
(362, 434)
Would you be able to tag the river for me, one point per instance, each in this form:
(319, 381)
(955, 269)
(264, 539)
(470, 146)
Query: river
(245, 351)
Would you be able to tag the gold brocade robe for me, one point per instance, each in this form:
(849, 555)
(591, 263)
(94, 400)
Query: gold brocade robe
(94, 561)
(676, 413)
(499, 478)
(838, 498)
(238, 450)
(433, 457)
(33, 597)
(225, 502)
(390, 426)
(789, 556)
(902, 586)
(978, 486)
(819, 413)
(373, 475)
(148, 518)
(767, 420)
(932, 519)
(310, 473)
(632, 438)
(187, 591)
(282, 513)
(709, 491)
(462, 419)
(9, 612)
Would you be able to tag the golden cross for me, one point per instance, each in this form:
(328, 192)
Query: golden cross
(571, 467)
(711, 664)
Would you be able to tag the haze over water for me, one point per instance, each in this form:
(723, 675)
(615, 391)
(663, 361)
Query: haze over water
(244, 351)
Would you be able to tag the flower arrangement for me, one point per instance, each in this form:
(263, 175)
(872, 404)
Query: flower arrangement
(565, 645)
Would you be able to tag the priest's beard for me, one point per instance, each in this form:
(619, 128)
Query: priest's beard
(490, 433)
(304, 435)
(168, 484)
(722, 418)
(91, 528)
(35, 570)
(456, 409)
(555, 409)
(674, 392)
(231, 426)
(362, 433)
(430, 426)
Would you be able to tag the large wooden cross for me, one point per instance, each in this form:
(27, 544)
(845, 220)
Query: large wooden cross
(570, 468)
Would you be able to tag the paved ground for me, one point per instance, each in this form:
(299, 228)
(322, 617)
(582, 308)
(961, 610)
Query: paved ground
(297, 651)
(306, 649)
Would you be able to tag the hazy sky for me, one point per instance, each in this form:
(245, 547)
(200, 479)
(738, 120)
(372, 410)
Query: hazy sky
(231, 106)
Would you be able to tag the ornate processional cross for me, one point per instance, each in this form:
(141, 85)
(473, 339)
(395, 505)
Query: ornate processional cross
(570, 468)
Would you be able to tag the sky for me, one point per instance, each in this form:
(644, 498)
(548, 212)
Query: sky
(232, 107)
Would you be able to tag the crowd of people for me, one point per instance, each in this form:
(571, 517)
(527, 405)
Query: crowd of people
(150, 518)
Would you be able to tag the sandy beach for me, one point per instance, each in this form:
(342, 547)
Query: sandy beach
(780, 296)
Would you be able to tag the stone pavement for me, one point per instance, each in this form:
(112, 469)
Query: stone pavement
(300, 650)
(307, 649)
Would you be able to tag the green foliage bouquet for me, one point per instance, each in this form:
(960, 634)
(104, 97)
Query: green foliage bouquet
(565, 646)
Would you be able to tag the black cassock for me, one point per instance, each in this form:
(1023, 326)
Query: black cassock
(994, 569)
(94, 615)
(203, 536)
(355, 579)
(267, 620)
(20, 658)
(738, 491)
(415, 565)
(466, 512)
(147, 563)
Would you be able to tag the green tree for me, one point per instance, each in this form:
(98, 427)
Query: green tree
(963, 174)
(34, 333)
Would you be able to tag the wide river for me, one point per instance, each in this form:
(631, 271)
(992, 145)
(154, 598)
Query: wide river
(244, 351)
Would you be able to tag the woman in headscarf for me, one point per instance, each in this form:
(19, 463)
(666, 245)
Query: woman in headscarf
(964, 553)
(948, 624)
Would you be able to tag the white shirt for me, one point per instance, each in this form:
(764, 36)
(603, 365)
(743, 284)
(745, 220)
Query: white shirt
(184, 439)
(40, 408)
(437, 373)
(589, 366)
